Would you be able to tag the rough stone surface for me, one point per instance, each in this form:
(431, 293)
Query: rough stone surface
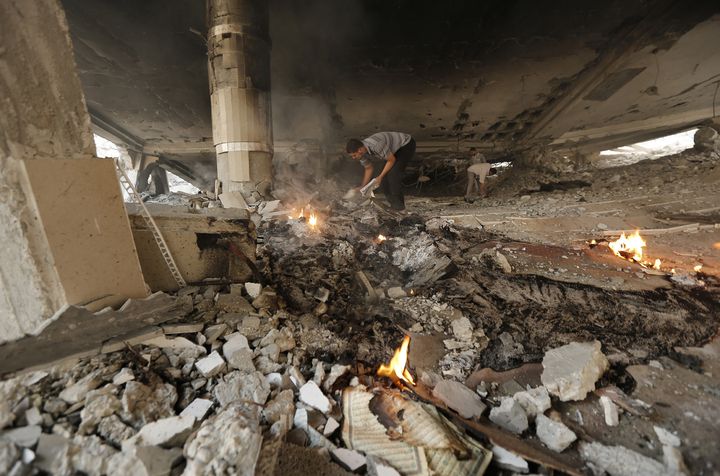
(114, 430)
(228, 443)
(166, 432)
(9, 454)
(460, 398)
(197, 409)
(534, 401)
(336, 371)
(554, 434)
(462, 328)
(253, 289)
(24, 436)
(396, 293)
(211, 365)
(510, 415)
(570, 371)
(610, 411)
(508, 460)
(282, 405)
(124, 376)
(310, 394)
(242, 386)
(142, 404)
(77, 391)
(144, 461)
(234, 303)
(98, 405)
(620, 461)
(90, 455)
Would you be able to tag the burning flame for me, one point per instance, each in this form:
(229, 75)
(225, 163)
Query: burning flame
(629, 247)
(312, 221)
(697, 268)
(657, 263)
(397, 369)
(381, 238)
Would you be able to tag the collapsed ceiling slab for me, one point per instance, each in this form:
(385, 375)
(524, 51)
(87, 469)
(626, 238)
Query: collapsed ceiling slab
(501, 77)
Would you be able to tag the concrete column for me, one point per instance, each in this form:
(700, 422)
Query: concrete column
(239, 73)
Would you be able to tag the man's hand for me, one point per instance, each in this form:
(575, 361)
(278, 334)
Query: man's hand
(378, 181)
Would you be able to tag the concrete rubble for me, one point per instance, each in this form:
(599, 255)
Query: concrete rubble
(554, 434)
(510, 415)
(570, 371)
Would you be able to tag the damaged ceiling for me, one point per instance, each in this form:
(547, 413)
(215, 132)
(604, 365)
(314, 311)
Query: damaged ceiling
(498, 76)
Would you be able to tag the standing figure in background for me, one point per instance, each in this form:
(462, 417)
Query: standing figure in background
(477, 173)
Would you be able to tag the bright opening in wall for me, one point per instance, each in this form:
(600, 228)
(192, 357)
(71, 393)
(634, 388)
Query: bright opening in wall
(648, 150)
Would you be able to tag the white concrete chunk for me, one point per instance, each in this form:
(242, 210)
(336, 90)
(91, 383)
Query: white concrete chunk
(508, 460)
(570, 371)
(76, 392)
(620, 461)
(124, 376)
(396, 293)
(253, 289)
(350, 459)
(610, 410)
(510, 415)
(233, 343)
(310, 394)
(666, 437)
(534, 401)
(462, 328)
(33, 416)
(336, 371)
(554, 434)
(330, 426)
(24, 436)
(211, 365)
(166, 432)
(460, 398)
(197, 409)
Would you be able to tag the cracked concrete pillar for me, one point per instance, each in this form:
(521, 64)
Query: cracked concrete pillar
(239, 73)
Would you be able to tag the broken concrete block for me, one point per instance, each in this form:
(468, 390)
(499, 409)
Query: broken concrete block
(266, 300)
(89, 455)
(460, 398)
(182, 328)
(319, 375)
(211, 365)
(228, 443)
(349, 459)
(282, 405)
(98, 405)
(214, 332)
(570, 371)
(253, 289)
(9, 454)
(234, 304)
(113, 430)
(236, 349)
(336, 371)
(508, 460)
(197, 409)
(142, 404)
(242, 386)
(495, 259)
(144, 461)
(396, 293)
(33, 416)
(250, 327)
(619, 461)
(310, 394)
(271, 351)
(534, 401)
(77, 391)
(166, 432)
(242, 360)
(330, 426)
(175, 343)
(554, 434)
(124, 376)
(666, 437)
(674, 461)
(52, 453)
(509, 415)
(610, 410)
(24, 436)
(462, 328)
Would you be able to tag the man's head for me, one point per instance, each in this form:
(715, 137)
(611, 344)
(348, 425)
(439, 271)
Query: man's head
(355, 148)
(492, 171)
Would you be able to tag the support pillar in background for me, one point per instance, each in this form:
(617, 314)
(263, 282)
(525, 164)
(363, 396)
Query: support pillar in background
(239, 77)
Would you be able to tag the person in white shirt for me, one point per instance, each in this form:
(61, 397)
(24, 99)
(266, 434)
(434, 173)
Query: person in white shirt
(397, 150)
(477, 173)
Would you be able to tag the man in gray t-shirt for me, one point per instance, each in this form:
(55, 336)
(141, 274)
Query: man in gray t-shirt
(396, 149)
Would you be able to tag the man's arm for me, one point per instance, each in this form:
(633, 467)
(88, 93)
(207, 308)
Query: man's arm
(367, 176)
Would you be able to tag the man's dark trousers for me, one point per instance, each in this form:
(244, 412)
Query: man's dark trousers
(392, 185)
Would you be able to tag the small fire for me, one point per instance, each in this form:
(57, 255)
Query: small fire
(397, 368)
(697, 268)
(313, 221)
(657, 263)
(381, 238)
(629, 247)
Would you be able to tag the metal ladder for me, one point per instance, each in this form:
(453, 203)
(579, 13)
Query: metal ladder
(152, 226)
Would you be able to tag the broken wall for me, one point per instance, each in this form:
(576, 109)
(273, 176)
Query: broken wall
(43, 117)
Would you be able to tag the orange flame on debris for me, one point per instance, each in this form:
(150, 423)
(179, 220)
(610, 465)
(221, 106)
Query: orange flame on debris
(697, 268)
(381, 238)
(397, 368)
(631, 248)
(313, 221)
